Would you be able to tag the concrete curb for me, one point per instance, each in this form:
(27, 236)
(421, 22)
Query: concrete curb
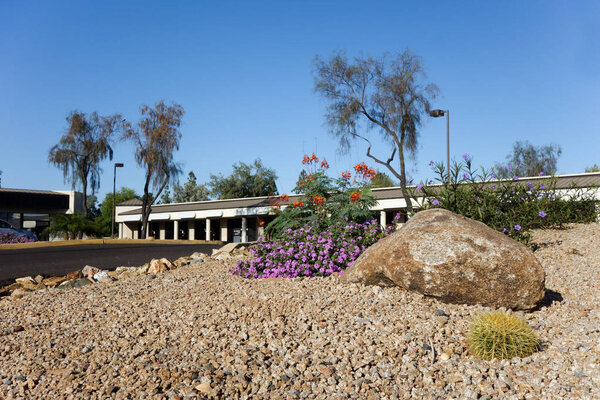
(59, 243)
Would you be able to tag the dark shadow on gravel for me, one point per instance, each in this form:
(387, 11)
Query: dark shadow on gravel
(534, 246)
(550, 297)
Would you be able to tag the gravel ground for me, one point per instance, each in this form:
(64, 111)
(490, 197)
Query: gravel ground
(199, 332)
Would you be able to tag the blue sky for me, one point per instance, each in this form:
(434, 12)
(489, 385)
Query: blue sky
(243, 71)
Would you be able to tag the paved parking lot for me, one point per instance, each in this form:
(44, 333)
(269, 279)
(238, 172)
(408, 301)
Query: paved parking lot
(59, 260)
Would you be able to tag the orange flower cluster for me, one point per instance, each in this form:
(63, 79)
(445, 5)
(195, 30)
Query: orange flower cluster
(284, 198)
(346, 175)
(364, 171)
(261, 223)
(355, 196)
(324, 164)
(310, 160)
(318, 200)
(298, 204)
(309, 178)
(274, 203)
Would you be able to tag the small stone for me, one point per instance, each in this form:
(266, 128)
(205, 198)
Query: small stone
(18, 328)
(53, 281)
(102, 276)
(89, 271)
(27, 282)
(39, 278)
(425, 346)
(66, 284)
(152, 276)
(142, 269)
(444, 356)
(159, 265)
(204, 388)
(440, 313)
(81, 282)
(580, 374)
(6, 381)
(20, 378)
(325, 370)
(19, 292)
(71, 276)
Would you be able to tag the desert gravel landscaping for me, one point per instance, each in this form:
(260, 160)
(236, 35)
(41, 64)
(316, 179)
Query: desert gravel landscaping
(198, 331)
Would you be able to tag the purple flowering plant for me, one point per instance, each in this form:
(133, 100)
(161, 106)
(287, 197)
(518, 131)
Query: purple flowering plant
(514, 206)
(312, 251)
(11, 238)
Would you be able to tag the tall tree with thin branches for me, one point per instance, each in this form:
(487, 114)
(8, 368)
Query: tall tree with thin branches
(81, 150)
(529, 160)
(156, 138)
(385, 95)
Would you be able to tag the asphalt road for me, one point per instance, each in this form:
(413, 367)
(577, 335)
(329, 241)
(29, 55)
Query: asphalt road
(60, 260)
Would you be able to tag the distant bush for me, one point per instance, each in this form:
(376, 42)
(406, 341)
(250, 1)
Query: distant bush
(72, 226)
(513, 206)
(500, 335)
(10, 238)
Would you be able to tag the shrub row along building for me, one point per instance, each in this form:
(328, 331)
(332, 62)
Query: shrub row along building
(243, 220)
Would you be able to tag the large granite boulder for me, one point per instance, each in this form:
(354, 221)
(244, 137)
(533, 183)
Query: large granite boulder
(454, 259)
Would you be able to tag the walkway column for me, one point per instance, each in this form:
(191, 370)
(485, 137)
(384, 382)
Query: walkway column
(207, 229)
(162, 230)
(176, 230)
(224, 232)
(191, 230)
(382, 220)
(244, 229)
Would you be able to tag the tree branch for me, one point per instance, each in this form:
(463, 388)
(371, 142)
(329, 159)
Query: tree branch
(377, 160)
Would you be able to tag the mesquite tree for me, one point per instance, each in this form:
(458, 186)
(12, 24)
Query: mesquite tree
(385, 95)
(80, 151)
(246, 180)
(529, 160)
(156, 138)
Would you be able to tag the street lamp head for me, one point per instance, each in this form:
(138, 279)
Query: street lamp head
(437, 113)
(119, 165)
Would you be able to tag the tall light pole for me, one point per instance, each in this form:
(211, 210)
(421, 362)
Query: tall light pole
(112, 228)
(439, 113)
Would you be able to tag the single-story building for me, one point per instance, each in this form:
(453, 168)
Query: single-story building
(32, 209)
(243, 220)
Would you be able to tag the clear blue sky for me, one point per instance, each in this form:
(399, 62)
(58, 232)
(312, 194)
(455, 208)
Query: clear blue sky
(510, 70)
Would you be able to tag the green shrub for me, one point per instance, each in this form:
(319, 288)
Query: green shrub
(71, 226)
(501, 335)
(324, 201)
(513, 206)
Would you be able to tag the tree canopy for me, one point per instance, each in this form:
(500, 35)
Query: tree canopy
(190, 191)
(385, 95)
(156, 138)
(382, 180)
(593, 168)
(165, 197)
(246, 180)
(529, 160)
(80, 151)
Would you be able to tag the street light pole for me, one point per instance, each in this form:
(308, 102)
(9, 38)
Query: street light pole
(448, 140)
(114, 207)
(439, 113)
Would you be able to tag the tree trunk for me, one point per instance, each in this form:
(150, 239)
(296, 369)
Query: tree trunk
(145, 209)
(405, 194)
(84, 183)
